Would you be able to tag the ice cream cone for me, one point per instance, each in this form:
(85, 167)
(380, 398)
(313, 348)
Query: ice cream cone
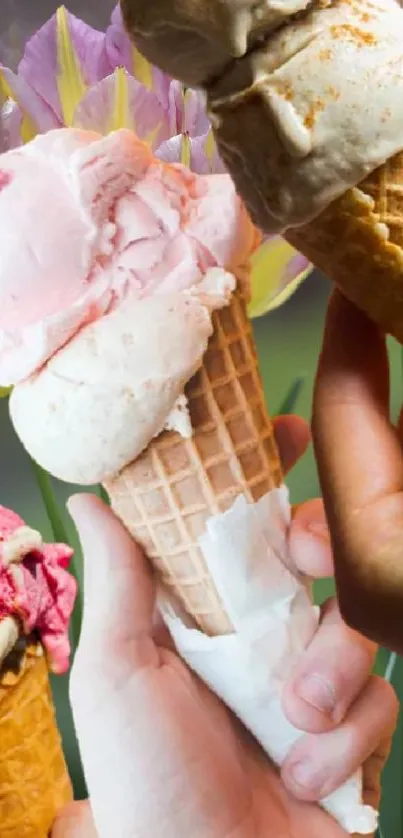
(358, 242)
(34, 781)
(166, 496)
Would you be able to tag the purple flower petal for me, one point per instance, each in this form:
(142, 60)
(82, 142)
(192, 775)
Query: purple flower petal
(171, 150)
(121, 52)
(10, 126)
(174, 106)
(31, 104)
(119, 48)
(202, 162)
(298, 264)
(193, 152)
(145, 114)
(196, 121)
(39, 65)
(277, 271)
(3, 144)
(217, 166)
(2, 122)
(187, 112)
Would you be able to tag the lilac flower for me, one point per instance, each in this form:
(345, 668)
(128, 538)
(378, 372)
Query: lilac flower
(120, 52)
(74, 75)
(10, 125)
(40, 64)
(120, 101)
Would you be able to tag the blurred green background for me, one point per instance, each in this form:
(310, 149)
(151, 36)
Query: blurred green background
(288, 343)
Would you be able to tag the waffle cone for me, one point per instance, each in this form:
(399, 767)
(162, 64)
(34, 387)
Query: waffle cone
(358, 243)
(167, 495)
(34, 781)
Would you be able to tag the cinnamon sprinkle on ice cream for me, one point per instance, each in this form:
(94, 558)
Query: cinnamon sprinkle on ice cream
(361, 37)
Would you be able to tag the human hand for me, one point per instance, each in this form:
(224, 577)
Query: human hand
(360, 458)
(161, 754)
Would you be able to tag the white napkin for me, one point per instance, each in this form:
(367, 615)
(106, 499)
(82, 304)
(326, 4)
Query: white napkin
(271, 610)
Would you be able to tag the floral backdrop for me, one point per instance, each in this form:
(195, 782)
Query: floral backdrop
(60, 69)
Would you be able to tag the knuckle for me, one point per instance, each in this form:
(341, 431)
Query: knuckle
(388, 699)
(330, 611)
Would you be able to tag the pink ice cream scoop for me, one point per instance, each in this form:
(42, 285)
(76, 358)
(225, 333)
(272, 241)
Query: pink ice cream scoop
(35, 586)
(86, 221)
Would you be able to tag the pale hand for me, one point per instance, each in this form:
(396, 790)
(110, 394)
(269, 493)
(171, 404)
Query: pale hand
(162, 755)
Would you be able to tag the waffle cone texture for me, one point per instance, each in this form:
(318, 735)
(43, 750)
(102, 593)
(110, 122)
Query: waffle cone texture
(358, 243)
(34, 781)
(167, 495)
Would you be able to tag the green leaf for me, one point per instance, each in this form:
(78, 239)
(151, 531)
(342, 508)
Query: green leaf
(4, 392)
(103, 495)
(59, 534)
(390, 667)
(290, 400)
(44, 483)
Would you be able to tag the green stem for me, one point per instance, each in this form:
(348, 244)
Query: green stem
(390, 668)
(59, 534)
(290, 400)
(102, 493)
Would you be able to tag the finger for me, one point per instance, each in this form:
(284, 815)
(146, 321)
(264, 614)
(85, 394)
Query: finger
(320, 763)
(119, 593)
(113, 677)
(361, 471)
(75, 821)
(372, 772)
(400, 424)
(333, 671)
(310, 545)
(292, 436)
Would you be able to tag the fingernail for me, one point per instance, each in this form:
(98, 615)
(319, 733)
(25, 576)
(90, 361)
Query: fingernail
(74, 506)
(304, 775)
(319, 693)
(320, 530)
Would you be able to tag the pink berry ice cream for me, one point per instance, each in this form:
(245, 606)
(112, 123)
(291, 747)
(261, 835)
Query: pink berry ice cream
(113, 263)
(85, 221)
(37, 593)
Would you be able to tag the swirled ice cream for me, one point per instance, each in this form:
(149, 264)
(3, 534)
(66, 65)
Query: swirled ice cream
(37, 593)
(305, 98)
(98, 403)
(112, 265)
(318, 107)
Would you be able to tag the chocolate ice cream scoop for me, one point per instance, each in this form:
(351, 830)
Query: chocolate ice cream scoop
(305, 99)
(306, 106)
(313, 111)
(195, 40)
(309, 121)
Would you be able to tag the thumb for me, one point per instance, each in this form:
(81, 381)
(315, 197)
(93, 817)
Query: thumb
(109, 684)
(75, 821)
(119, 591)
